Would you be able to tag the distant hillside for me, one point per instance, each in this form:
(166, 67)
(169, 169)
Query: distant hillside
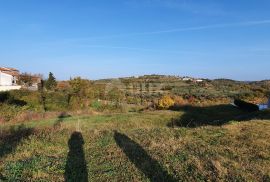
(153, 86)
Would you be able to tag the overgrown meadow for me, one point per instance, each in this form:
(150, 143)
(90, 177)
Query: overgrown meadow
(83, 130)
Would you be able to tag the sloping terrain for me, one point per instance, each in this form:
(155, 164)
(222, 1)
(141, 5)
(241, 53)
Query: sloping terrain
(134, 147)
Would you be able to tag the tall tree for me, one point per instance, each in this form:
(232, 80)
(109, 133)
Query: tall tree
(147, 86)
(51, 82)
(42, 95)
(141, 92)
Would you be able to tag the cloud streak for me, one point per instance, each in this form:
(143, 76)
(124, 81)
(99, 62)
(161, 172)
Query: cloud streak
(140, 49)
(79, 41)
(184, 29)
(196, 7)
(240, 24)
(244, 51)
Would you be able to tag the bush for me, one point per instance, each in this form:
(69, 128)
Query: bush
(56, 101)
(4, 96)
(8, 112)
(97, 105)
(179, 100)
(165, 102)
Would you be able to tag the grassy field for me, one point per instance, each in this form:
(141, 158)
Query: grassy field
(138, 147)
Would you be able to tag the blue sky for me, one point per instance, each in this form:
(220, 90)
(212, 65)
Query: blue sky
(113, 38)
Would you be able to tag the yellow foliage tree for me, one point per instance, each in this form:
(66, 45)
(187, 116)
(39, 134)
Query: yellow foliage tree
(179, 101)
(165, 102)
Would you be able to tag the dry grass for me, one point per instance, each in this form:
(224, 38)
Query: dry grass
(139, 147)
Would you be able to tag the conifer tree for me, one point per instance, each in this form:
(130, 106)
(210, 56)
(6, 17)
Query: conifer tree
(51, 82)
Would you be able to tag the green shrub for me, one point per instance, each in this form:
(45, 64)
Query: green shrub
(97, 105)
(8, 112)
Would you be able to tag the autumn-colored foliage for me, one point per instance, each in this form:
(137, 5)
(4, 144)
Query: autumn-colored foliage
(180, 100)
(165, 102)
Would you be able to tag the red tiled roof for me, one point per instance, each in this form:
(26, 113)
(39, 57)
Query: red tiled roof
(10, 71)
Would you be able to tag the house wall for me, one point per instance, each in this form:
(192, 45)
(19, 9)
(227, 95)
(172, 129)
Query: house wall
(5, 79)
(7, 88)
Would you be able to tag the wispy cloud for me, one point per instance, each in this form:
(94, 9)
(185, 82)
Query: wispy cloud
(196, 7)
(239, 24)
(240, 51)
(85, 41)
(139, 49)
(183, 29)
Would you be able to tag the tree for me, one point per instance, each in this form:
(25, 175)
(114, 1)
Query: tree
(80, 92)
(147, 86)
(25, 79)
(79, 86)
(141, 92)
(115, 95)
(51, 82)
(42, 96)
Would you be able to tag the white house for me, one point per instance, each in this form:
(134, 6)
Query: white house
(198, 80)
(8, 79)
(5, 79)
(187, 79)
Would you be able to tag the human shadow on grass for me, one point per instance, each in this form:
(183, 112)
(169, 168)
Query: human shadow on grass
(143, 161)
(217, 115)
(9, 140)
(76, 167)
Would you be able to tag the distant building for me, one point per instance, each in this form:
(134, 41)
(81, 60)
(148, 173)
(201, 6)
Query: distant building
(198, 80)
(9, 78)
(187, 79)
(29, 81)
